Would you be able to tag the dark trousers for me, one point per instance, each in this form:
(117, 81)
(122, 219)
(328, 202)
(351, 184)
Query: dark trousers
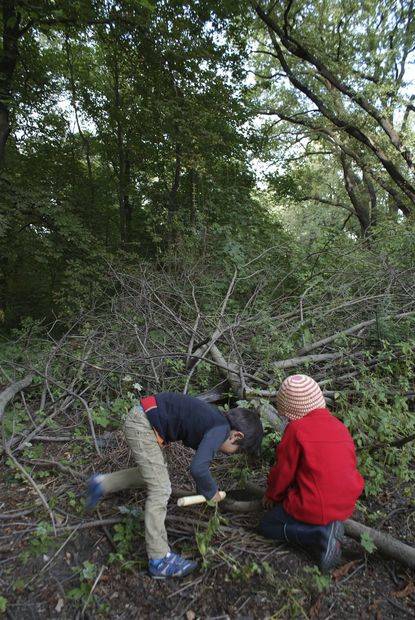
(279, 525)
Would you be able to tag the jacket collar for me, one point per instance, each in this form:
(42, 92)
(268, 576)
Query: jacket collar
(313, 412)
(319, 411)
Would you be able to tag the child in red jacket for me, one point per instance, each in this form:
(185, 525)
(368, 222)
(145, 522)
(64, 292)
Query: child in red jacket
(314, 482)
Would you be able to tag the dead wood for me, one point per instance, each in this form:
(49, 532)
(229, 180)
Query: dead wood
(11, 391)
(307, 359)
(350, 330)
(385, 544)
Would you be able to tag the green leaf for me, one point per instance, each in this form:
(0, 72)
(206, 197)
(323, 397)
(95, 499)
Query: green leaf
(367, 543)
(147, 4)
(11, 22)
(3, 604)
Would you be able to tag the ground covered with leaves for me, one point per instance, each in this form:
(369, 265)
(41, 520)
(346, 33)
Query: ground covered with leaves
(95, 565)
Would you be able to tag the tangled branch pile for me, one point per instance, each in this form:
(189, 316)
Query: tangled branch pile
(228, 340)
(168, 330)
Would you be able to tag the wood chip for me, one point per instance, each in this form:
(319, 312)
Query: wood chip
(406, 591)
(344, 570)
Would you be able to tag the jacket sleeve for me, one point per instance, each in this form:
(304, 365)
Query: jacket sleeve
(199, 467)
(282, 474)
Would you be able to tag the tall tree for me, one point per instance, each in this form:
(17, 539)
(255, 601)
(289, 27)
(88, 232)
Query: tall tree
(344, 65)
(8, 60)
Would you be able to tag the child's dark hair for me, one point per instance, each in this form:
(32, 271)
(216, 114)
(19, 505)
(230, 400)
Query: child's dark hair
(248, 422)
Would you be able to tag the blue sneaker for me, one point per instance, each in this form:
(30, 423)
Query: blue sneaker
(95, 492)
(331, 548)
(171, 565)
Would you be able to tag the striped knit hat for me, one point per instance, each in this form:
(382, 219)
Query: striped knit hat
(298, 395)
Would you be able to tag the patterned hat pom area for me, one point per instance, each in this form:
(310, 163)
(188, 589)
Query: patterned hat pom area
(298, 395)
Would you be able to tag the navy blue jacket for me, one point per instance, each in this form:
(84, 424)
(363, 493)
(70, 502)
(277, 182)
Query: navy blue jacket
(198, 425)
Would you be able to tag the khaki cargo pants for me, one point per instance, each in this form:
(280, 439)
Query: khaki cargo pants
(151, 472)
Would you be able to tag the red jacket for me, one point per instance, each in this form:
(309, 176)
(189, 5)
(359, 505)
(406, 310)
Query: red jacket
(315, 475)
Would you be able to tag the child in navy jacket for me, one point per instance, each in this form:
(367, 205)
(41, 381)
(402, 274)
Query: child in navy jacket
(314, 483)
(154, 422)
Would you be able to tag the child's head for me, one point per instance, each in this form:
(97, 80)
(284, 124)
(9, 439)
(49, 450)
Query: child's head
(298, 395)
(246, 431)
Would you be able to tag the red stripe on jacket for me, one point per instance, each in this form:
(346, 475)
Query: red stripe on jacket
(315, 475)
(148, 403)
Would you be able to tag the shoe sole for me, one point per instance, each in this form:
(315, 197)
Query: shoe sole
(164, 577)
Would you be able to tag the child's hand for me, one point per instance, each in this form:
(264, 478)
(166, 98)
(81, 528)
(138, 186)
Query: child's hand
(267, 503)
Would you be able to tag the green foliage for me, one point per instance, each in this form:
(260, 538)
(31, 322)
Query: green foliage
(381, 415)
(319, 581)
(15, 420)
(297, 590)
(244, 572)
(73, 501)
(125, 537)
(101, 416)
(367, 543)
(205, 537)
(240, 470)
(40, 543)
(75, 194)
(87, 574)
(336, 111)
(34, 452)
(3, 604)
(269, 442)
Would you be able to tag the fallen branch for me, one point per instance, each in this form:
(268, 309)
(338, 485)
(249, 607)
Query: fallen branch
(350, 330)
(85, 404)
(386, 544)
(307, 359)
(11, 391)
(31, 482)
(232, 374)
(50, 463)
(5, 397)
(397, 443)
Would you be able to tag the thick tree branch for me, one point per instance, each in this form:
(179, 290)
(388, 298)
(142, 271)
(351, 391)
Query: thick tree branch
(299, 50)
(326, 201)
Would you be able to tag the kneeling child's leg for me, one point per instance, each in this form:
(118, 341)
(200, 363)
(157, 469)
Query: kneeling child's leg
(274, 522)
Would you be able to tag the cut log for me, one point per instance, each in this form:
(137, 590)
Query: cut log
(385, 544)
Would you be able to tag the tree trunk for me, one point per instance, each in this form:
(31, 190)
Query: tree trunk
(359, 198)
(172, 199)
(4, 130)
(193, 205)
(124, 197)
(127, 207)
(124, 166)
(85, 140)
(8, 60)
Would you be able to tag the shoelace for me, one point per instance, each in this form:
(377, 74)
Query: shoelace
(172, 563)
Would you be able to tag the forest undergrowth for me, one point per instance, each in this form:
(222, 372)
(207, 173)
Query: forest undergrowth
(344, 315)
